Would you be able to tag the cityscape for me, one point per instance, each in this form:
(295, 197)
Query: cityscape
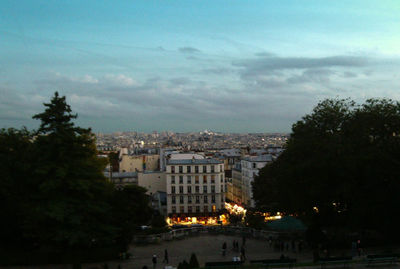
(199, 134)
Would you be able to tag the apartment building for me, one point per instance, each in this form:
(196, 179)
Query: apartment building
(250, 167)
(195, 188)
(139, 163)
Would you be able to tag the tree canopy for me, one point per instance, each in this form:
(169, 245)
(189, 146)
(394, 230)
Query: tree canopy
(53, 191)
(341, 162)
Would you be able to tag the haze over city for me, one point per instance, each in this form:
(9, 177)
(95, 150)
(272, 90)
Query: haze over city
(236, 66)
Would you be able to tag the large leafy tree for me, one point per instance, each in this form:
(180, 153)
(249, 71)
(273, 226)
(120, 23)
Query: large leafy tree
(16, 164)
(340, 161)
(71, 202)
(53, 194)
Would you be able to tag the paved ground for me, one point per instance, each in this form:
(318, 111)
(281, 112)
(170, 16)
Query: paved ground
(207, 248)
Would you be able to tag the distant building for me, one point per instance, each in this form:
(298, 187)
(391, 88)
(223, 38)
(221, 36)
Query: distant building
(237, 182)
(139, 163)
(121, 179)
(250, 167)
(153, 181)
(195, 188)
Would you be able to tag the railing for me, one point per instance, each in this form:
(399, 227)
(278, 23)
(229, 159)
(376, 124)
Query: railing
(193, 231)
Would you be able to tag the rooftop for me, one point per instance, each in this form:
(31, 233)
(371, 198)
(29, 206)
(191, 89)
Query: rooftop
(260, 158)
(195, 161)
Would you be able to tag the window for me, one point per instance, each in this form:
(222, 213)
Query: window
(189, 209)
(188, 169)
(212, 178)
(181, 199)
(220, 168)
(196, 179)
(174, 209)
(180, 169)
(213, 189)
(180, 179)
(173, 200)
(197, 189)
(254, 165)
(173, 169)
(204, 189)
(173, 179)
(197, 209)
(204, 169)
(205, 199)
(212, 169)
(181, 209)
(189, 199)
(213, 198)
(204, 179)
(173, 189)
(196, 169)
(206, 208)
(189, 179)
(197, 199)
(214, 208)
(189, 189)
(180, 189)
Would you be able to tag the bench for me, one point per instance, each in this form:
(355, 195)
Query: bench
(382, 259)
(275, 262)
(335, 260)
(223, 264)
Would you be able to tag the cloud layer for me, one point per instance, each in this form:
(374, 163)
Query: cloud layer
(261, 93)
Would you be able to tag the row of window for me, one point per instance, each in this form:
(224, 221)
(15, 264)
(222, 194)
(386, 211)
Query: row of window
(179, 169)
(196, 179)
(196, 208)
(189, 189)
(190, 199)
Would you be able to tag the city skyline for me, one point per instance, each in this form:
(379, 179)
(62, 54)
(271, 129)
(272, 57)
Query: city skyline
(227, 66)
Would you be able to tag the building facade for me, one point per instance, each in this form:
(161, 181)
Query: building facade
(139, 163)
(195, 188)
(250, 167)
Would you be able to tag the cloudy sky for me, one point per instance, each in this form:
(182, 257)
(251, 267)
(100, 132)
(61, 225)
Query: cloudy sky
(232, 65)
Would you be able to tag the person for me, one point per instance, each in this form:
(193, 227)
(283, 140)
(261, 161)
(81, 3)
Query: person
(154, 260)
(165, 257)
(242, 254)
(223, 249)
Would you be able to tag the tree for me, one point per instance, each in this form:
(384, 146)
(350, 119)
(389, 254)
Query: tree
(16, 164)
(71, 202)
(193, 263)
(130, 210)
(341, 164)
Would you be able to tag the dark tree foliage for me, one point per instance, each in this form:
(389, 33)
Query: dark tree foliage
(53, 194)
(16, 164)
(193, 263)
(341, 161)
(130, 209)
(71, 199)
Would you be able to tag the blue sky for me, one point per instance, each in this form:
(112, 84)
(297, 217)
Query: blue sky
(233, 66)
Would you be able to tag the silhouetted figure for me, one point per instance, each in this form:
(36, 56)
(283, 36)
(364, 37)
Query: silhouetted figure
(242, 254)
(166, 257)
(224, 249)
(154, 260)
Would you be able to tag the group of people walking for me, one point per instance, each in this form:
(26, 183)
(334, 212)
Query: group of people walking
(281, 246)
(236, 248)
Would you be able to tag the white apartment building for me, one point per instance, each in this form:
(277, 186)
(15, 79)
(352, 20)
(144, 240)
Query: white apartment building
(250, 167)
(195, 188)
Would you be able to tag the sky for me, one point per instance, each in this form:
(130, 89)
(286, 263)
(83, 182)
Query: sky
(223, 65)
